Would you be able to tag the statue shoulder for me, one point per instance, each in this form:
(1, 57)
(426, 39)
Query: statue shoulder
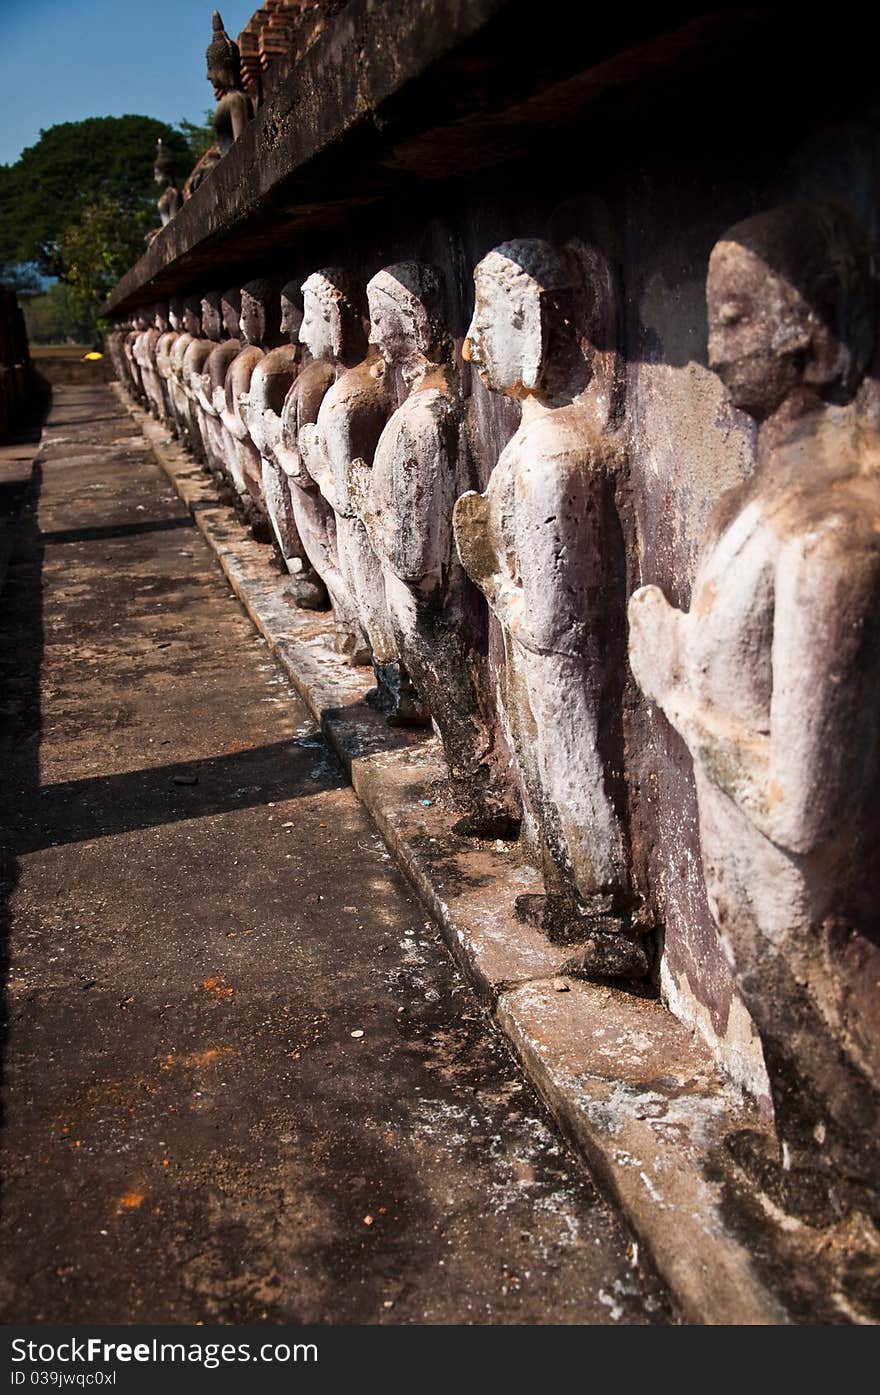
(844, 521)
(566, 437)
(317, 376)
(279, 360)
(359, 387)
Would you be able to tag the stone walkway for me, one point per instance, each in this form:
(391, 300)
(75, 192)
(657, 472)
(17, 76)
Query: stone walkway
(242, 1079)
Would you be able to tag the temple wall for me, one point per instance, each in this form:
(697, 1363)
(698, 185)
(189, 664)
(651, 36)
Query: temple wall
(15, 373)
(654, 195)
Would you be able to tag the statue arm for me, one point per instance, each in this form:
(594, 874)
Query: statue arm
(824, 685)
(231, 411)
(470, 524)
(314, 457)
(656, 650)
(793, 780)
(405, 501)
(240, 114)
(732, 757)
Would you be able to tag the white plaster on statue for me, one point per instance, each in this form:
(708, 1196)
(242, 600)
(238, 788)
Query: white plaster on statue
(191, 332)
(543, 545)
(261, 406)
(209, 389)
(145, 357)
(313, 517)
(244, 458)
(194, 360)
(352, 413)
(405, 501)
(164, 365)
(772, 676)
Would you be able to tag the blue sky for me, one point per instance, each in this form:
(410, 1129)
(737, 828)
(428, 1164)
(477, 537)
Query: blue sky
(63, 60)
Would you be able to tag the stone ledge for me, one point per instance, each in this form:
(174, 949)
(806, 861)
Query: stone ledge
(638, 1095)
(397, 95)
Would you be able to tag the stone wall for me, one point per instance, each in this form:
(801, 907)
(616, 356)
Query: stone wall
(15, 375)
(276, 37)
(641, 147)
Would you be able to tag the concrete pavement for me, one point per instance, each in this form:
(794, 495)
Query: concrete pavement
(201, 919)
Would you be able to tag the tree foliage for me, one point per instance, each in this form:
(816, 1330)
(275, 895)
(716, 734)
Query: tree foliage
(59, 316)
(99, 246)
(24, 279)
(77, 164)
(198, 138)
(77, 205)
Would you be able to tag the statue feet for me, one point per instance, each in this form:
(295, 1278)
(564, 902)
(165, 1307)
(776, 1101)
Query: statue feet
(488, 820)
(308, 590)
(603, 923)
(620, 955)
(409, 712)
(795, 1190)
(353, 648)
(407, 709)
(385, 697)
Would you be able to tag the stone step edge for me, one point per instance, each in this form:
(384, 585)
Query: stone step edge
(634, 1091)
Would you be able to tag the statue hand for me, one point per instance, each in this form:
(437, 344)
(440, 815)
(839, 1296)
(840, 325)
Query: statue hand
(357, 479)
(654, 644)
(470, 524)
(307, 442)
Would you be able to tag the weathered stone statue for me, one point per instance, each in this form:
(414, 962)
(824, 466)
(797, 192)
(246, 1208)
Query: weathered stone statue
(544, 545)
(313, 517)
(233, 110)
(772, 680)
(115, 345)
(259, 325)
(194, 360)
(352, 413)
(262, 406)
(139, 323)
(210, 388)
(145, 356)
(191, 329)
(161, 347)
(164, 347)
(170, 201)
(405, 501)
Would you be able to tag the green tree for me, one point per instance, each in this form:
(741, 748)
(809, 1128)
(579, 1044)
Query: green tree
(59, 316)
(99, 246)
(23, 278)
(198, 137)
(75, 165)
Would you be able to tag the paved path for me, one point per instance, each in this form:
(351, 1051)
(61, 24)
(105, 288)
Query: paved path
(200, 917)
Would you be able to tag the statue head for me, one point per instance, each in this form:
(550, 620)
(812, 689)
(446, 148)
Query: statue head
(330, 313)
(291, 311)
(223, 60)
(230, 306)
(791, 304)
(160, 316)
(192, 315)
(533, 305)
(163, 165)
(260, 312)
(212, 316)
(175, 312)
(407, 321)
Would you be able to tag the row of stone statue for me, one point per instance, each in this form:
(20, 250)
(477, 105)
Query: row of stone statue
(771, 679)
